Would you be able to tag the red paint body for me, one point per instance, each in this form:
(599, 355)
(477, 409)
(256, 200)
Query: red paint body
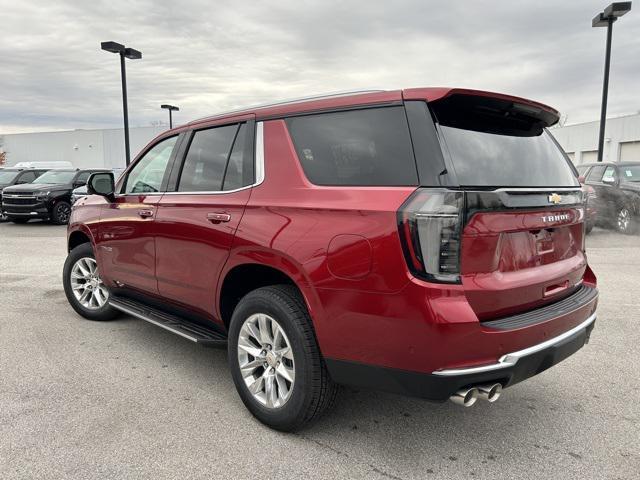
(340, 246)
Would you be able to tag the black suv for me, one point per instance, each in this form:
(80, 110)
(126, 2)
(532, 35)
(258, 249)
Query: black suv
(17, 176)
(617, 190)
(47, 197)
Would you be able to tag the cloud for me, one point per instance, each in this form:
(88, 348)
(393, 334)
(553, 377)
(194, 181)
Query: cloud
(208, 56)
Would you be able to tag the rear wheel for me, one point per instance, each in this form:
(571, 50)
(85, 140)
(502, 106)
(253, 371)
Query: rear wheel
(275, 361)
(625, 223)
(83, 286)
(61, 213)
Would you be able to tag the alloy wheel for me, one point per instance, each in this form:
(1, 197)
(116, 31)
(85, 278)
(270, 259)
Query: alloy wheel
(624, 220)
(88, 288)
(63, 212)
(266, 360)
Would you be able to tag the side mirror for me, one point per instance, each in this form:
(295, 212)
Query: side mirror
(102, 183)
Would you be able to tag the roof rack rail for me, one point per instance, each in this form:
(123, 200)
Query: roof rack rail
(324, 96)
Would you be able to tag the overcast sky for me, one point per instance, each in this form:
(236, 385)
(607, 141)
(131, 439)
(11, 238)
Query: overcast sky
(208, 56)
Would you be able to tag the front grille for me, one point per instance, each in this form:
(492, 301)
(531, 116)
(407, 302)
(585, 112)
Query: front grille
(7, 200)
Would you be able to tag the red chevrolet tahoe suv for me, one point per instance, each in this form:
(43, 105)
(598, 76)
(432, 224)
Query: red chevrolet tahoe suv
(428, 242)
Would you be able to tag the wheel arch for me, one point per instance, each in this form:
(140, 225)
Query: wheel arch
(79, 236)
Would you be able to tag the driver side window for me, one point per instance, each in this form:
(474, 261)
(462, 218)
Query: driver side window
(146, 176)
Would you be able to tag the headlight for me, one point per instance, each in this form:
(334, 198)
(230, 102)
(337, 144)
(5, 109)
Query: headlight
(42, 196)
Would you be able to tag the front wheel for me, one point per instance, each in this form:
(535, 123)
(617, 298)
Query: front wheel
(61, 213)
(625, 223)
(275, 361)
(83, 286)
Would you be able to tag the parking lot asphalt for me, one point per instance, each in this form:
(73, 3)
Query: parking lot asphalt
(125, 399)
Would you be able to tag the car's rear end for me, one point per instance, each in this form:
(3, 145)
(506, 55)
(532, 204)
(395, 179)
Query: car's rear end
(493, 241)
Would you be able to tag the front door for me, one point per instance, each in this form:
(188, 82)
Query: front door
(126, 243)
(197, 222)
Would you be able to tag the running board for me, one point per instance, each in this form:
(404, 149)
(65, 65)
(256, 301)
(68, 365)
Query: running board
(191, 331)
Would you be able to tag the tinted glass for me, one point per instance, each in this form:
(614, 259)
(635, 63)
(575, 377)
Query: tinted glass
(204, 165)
(582, 170)
(609, 174)
(595, 175)
(147, 174)
(630, 173)
(56, 176)
(362, 147)
(27, 177)
(492, 159)
(83, 178)
(233, 177)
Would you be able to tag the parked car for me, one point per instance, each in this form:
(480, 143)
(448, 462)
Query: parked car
(591, 210)
(47, 197)
(80, 192)
(16, 176)
(617, 193)
(394, 240)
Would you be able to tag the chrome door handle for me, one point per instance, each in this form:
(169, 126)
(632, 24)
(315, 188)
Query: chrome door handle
(145, 213)
(218, 217)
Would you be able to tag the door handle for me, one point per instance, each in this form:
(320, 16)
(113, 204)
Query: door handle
(218, 217)
(145, 213)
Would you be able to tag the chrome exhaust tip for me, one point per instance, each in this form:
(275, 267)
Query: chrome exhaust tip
(490, 392)
(465, 397)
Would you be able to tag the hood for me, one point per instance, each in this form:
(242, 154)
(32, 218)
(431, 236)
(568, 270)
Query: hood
(36, 187)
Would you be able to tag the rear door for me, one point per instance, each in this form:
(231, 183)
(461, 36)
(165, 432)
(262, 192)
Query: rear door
(126, 243)
(197, 221)
(522, 226)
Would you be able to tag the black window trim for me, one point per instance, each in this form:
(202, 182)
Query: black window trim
(250, 157)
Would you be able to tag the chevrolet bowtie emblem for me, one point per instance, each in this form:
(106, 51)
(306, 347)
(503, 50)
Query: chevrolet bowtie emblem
(554, 198)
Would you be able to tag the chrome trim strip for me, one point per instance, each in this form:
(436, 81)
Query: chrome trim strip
(510, 359)
(147, 319)
(535, 189)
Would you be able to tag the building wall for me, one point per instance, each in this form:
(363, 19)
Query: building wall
(83, 148)
(622, 140)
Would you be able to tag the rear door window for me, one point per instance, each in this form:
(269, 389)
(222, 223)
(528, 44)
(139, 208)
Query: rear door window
(366, 147)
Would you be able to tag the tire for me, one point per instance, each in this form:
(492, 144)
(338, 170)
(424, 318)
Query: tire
(625, 221)
(92, 309)
(61, 213)
(312, 391)
(19, 221)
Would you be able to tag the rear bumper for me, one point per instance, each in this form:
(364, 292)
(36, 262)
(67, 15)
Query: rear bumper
(439, 385)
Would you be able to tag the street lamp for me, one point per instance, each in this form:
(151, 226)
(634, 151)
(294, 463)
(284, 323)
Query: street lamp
(606, 19)
(171, 108)
(131, 54)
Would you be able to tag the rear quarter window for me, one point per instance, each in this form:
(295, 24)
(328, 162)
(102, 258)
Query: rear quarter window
(369, 147)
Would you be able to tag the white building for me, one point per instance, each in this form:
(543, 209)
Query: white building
(83, 148)
(621, 140)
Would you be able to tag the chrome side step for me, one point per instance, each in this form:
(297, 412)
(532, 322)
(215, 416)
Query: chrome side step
(191, 331)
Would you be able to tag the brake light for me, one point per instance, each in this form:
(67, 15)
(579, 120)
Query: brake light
(429, 224)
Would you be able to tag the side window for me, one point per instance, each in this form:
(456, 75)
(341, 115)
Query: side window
(82, 178)
(27, 177)
(206, 161)
(362, 147)
(609, 175)
(582, 170)
(595, 175)
(146, 176)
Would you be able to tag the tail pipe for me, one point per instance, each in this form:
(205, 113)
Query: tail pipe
(467, 397)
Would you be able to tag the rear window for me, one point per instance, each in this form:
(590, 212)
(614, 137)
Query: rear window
(494, 143)
(367, 147)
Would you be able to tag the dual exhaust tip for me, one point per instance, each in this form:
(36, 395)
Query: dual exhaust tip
(467, 397)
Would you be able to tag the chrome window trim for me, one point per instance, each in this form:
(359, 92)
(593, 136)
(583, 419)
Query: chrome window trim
(510, 359)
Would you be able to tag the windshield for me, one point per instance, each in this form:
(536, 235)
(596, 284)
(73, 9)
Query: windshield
(7, 176)
(56, 176)
(630, 173)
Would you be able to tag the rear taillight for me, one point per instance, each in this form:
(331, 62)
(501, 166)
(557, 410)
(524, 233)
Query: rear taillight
(429, 223)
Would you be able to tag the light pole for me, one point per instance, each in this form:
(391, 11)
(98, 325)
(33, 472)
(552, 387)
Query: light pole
(606, 19)
(171, 108)
(132, 54)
